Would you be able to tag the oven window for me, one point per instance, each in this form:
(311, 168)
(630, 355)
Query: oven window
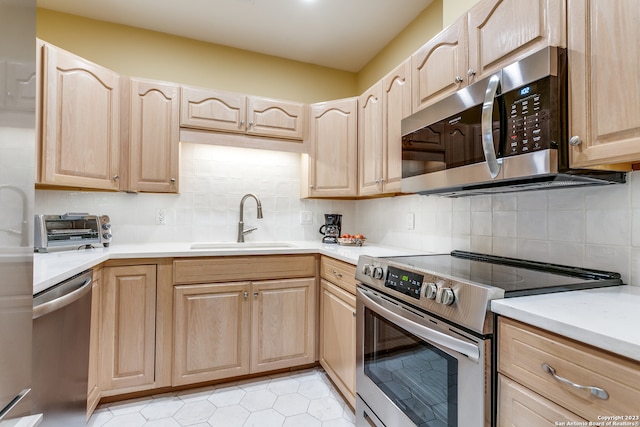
(419, 378)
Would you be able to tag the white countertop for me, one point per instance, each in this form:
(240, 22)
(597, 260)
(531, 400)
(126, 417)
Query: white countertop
(608, 318)
(55, 267)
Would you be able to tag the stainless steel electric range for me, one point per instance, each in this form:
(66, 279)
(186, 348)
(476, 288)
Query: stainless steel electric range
(425, 332)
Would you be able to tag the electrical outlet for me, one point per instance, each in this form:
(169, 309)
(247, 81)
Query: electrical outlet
(411, 221)
(161, 217)
(306, 218)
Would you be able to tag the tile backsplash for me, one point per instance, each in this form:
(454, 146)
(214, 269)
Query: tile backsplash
(596, 227)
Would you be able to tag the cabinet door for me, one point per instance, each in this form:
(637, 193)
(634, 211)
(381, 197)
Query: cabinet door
(213, 110)
(503, 31)
(271, 117)
(333, 156)
(128, 328)
(154, 136)
(396, 105)
(519, 406)
(370, 141)
(603, 92)
(80, 122)
(283, 325)
(439, 68)
(211, 332)
(93, 390)
(338, 337)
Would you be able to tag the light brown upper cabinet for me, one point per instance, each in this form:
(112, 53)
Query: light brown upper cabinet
(439, 68)
(504, 31)
(80, 122)
(381, 110)
(604, 93)
(330, 168)
(396, 105)
(153, 135)
(492, 34)
(370, 141)
(231, 112)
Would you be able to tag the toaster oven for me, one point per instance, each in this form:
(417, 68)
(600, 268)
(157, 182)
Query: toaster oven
(71, 230)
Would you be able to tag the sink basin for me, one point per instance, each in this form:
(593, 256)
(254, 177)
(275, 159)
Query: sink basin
(239, 246)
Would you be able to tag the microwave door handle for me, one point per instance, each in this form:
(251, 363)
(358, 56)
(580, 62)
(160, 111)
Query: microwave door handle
(427, 334)
(487, 126)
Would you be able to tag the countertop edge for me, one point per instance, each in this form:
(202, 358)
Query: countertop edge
(615, 335)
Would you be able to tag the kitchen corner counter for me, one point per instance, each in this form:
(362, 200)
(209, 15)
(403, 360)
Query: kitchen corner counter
(55, 267)
(606, 318)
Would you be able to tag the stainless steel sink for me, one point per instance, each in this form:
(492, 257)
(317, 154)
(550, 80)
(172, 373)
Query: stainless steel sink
(240, 246)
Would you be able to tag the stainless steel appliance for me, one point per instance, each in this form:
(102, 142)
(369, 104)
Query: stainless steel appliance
(73, 230)
(507, 132)
(425, 333)
(61, 326)
(331, 228)
(17, 163)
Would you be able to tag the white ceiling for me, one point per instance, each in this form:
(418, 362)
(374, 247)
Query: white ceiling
(341, 34)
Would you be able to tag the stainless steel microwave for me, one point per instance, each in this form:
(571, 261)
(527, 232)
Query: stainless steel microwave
(504, 133)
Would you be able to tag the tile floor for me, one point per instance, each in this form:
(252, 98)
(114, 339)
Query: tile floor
(297, 399)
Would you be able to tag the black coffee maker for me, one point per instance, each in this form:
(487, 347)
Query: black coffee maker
(331, 228)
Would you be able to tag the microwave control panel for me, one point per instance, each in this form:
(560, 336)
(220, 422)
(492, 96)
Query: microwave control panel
(530, 113)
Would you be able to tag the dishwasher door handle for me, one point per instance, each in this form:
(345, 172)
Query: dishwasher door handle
(75, 289)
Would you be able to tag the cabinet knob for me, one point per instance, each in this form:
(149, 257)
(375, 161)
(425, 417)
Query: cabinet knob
(311, 187)
(115, 177)
(575, 140)
(241, 123)
(458, 79)
(250, 124)
(471, 72)
(245, 294)
(255, 294)
(173, 180)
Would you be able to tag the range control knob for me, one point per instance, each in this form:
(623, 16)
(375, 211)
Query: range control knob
(107, 236)
(377, 273)
(431, 290)
(366, 270)
(445, 296)
(106, 226)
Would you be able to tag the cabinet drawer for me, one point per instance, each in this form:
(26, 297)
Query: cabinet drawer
(236, 268)
(523, 349)
(518, 405)
(339, 273)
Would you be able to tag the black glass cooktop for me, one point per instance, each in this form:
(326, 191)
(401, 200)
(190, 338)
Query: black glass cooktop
(517, 277)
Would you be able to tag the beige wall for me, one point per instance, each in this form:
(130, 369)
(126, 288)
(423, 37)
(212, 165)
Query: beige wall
(148, 54)
(142, 53)
(453, 9)
(423, 28)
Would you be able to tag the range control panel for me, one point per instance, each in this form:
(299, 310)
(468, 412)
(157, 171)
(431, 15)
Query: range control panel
(531, 118)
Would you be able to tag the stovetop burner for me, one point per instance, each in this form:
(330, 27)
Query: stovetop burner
(517, 277)
(460, 286)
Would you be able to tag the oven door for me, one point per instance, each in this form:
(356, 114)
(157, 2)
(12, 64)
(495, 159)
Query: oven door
(415, 370)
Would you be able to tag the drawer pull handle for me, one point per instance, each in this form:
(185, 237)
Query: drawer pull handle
(596, 391)
(335, 273)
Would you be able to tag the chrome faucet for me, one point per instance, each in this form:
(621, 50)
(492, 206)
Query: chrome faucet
(241, 229)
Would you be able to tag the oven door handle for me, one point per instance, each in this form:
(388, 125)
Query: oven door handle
(469, 350)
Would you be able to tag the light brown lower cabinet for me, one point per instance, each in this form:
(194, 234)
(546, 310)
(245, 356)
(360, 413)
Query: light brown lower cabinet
(337, 353)
(228, 328)
(93, 390)
(530, 395)
(338, 338)
(135, 326)
(211, 331)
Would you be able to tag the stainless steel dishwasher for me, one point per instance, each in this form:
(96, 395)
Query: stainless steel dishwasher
(61, 325)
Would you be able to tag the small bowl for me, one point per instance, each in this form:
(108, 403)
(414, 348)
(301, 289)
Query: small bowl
(350, 241)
